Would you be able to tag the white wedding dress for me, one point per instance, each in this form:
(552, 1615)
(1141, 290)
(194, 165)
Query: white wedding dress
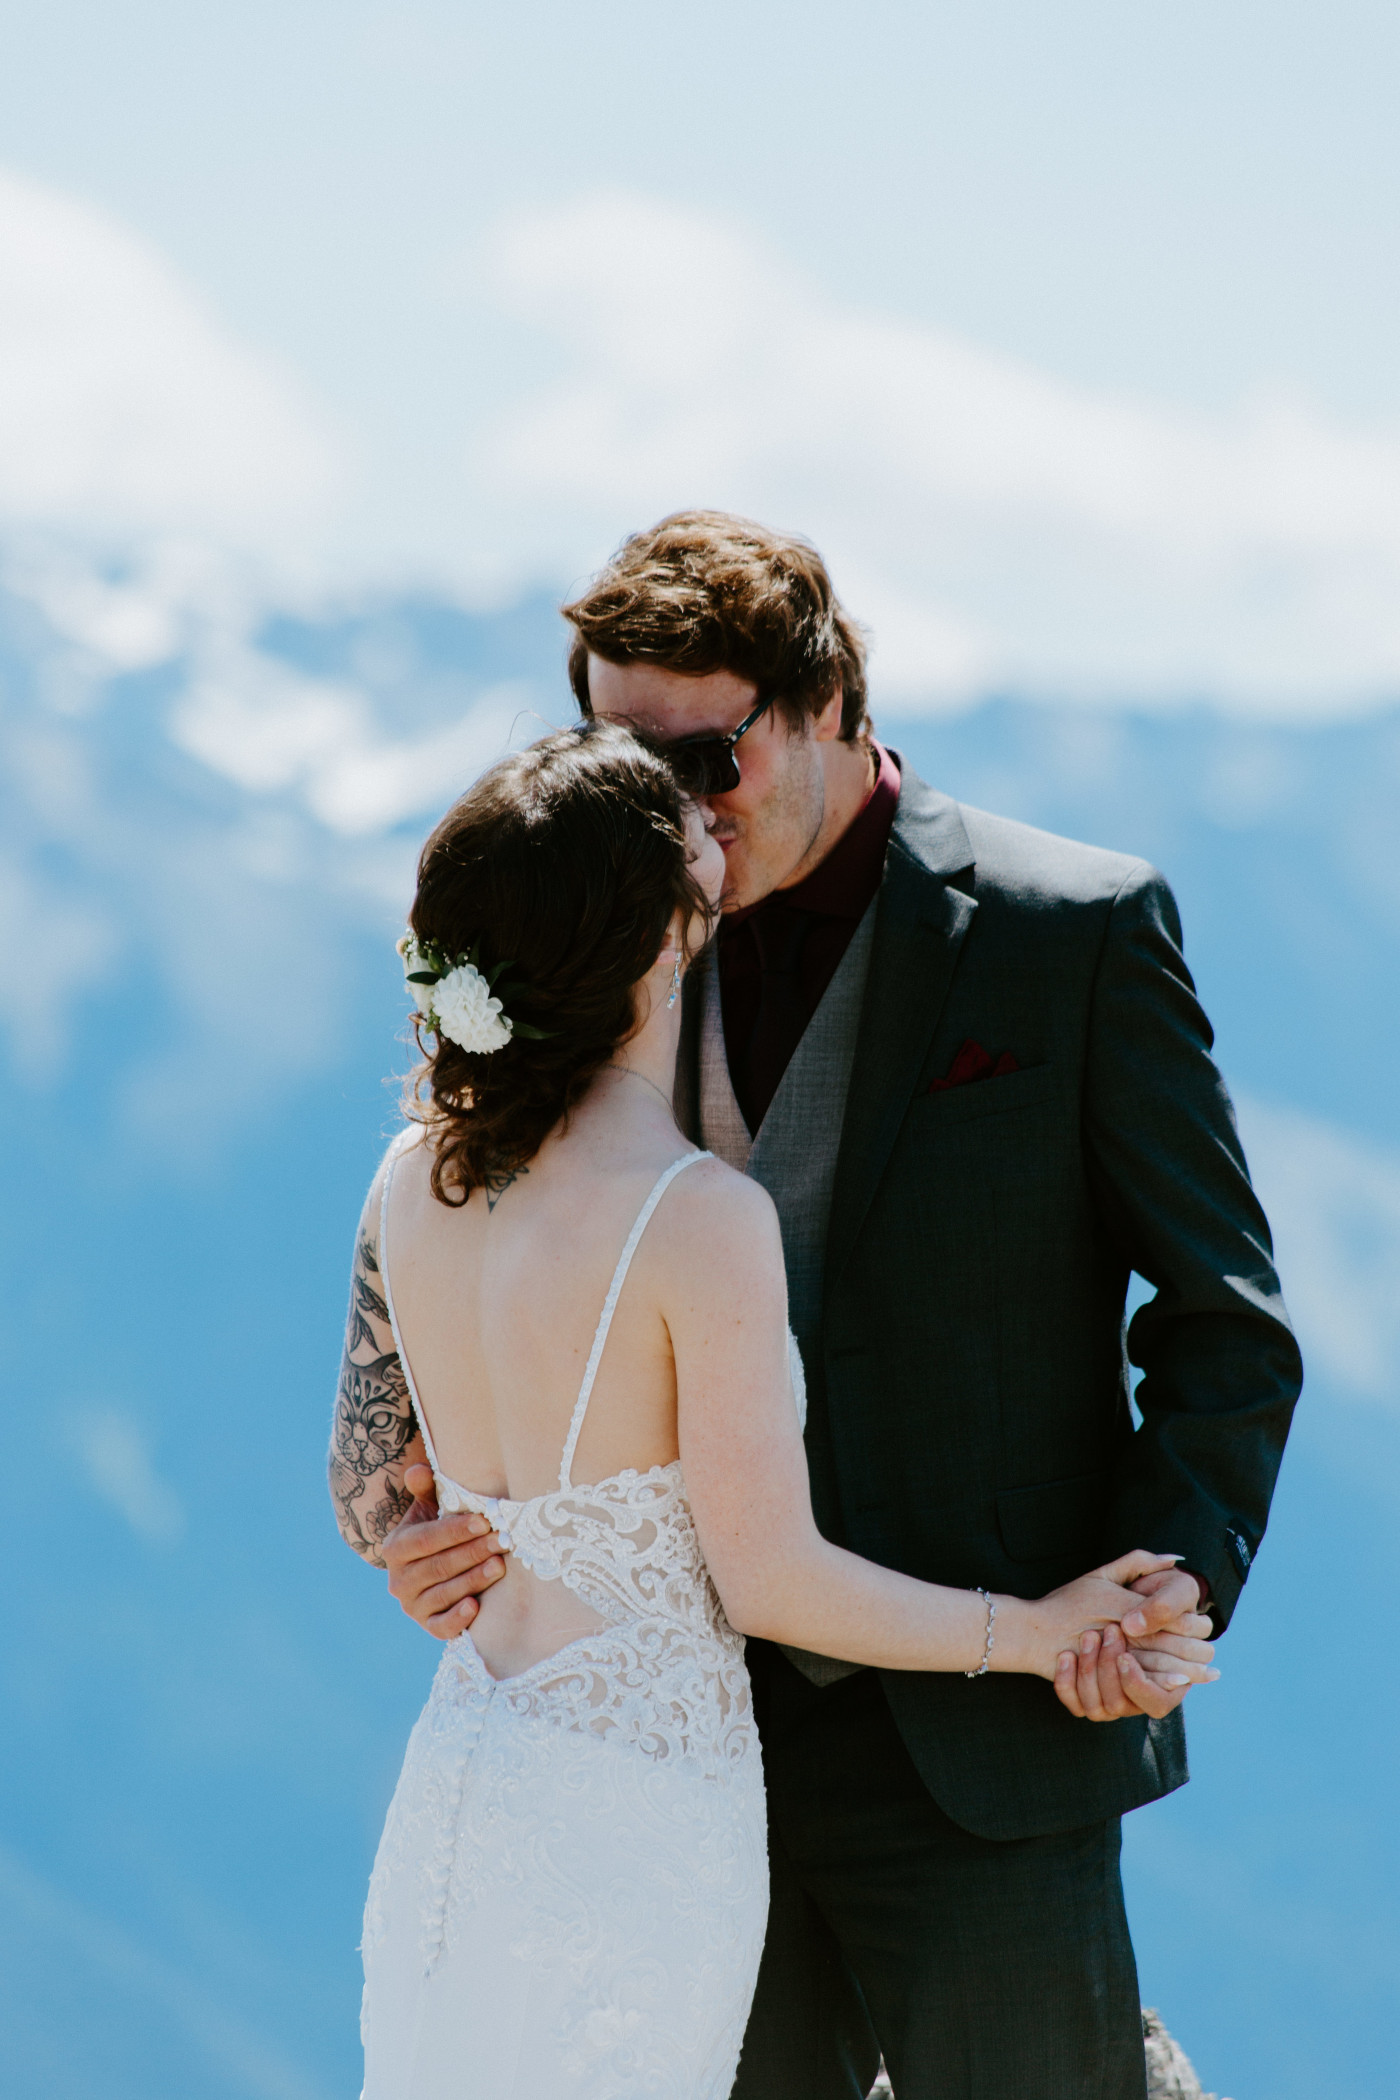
(569, 1898)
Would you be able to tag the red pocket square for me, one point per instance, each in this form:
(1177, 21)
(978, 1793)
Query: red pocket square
(972, 1063)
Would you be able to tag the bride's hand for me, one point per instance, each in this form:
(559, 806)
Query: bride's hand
(1031, 1635)
(1179, 1656)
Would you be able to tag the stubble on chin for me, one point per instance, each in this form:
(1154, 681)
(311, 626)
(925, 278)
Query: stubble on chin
(732, 898)
(770, 844)
(744, 885)
(731, 831)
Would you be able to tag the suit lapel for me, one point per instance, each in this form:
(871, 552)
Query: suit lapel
(921, 923)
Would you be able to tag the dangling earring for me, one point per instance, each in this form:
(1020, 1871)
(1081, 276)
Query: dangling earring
(675, 983)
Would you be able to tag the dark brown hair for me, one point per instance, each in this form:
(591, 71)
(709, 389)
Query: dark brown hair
(567, 862)
(704, 591)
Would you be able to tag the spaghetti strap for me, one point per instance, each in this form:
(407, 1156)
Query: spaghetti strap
(595, 1355)
(394, 1150)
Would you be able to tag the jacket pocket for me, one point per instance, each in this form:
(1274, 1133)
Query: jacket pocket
(1053, 1520)
(986, 1097)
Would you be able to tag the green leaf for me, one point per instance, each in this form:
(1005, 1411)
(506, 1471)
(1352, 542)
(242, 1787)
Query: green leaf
(536, 1035)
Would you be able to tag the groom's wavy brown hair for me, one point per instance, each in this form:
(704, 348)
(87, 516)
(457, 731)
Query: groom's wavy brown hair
(568, 862)
(707, 591)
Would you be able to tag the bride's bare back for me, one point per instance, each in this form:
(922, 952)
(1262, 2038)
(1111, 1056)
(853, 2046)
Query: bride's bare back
(497, 1303)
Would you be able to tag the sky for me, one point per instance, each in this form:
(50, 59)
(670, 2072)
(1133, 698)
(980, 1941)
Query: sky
(336, 344)
(1070, 335)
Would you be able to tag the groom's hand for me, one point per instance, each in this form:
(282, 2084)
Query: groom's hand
(1105, 1681)
(438, 1566)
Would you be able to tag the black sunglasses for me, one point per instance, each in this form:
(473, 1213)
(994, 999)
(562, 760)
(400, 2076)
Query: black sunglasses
(707, 765)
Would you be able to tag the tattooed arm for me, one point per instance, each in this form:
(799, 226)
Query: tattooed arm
(374, 1435)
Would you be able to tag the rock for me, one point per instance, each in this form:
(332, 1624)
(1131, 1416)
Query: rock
(1169, 2072)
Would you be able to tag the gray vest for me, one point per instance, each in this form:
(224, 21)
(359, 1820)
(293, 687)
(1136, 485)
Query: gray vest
(794, 1154)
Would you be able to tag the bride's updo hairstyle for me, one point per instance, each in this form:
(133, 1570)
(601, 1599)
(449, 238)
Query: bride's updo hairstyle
(568, 861)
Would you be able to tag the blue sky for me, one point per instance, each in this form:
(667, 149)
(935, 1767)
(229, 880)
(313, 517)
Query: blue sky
(335, 342)
(1071, 334)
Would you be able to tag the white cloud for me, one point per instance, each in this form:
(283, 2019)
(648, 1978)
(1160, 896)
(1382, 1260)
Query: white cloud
(124, 407)
(268, 728)
(1334, 1203)
(1000, 529)
(1005, 528)
(233, 894)
(119, 1467)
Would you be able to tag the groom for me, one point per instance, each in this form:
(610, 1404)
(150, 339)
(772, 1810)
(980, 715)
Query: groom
(967, 1061)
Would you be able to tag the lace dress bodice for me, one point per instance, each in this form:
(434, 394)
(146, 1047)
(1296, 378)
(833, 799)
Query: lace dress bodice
(628, 1548)
(569, 1897)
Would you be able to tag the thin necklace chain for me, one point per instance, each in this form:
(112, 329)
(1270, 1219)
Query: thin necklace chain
(631, 1072)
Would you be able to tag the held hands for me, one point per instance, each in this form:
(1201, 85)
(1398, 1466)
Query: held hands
(438, 1566)
(1124, 1639)
(1148, 1662)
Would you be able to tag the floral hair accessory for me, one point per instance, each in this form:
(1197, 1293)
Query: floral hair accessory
(453, 994)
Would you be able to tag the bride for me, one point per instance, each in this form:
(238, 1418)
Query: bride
(579, 1322)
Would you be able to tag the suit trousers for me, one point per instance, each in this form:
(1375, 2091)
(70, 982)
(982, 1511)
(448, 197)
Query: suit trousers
(982, 1970)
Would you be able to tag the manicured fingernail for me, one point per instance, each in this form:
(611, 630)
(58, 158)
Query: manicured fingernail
(1086, 1643)
(1134, 1624)
(1174, 1681)
(1212, 1676)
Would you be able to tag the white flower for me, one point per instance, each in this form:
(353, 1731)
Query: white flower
(415, 962)
(464, 1010)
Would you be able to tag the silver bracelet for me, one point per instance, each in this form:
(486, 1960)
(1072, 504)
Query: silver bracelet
(986, 1662)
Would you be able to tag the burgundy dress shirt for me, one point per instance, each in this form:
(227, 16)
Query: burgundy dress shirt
(777, 957)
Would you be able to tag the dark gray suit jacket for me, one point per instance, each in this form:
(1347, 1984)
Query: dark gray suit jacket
(969, 1414)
